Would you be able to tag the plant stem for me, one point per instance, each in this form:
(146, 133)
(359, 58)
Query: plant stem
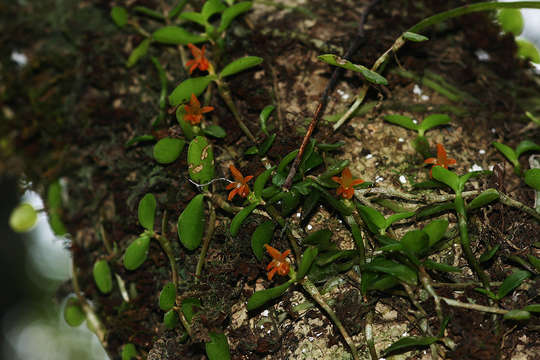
(465, 242)
(424, 197)
(506, 200)
(314, 292)
(432, 20)
(476, 307)
(225, 94)
(206, 240)
(166, 246)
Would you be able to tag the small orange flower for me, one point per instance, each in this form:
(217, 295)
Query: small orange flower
(194, 111)
(199, 60)
(440, 160)
(346, 183)
(279, 263)
(240, 186)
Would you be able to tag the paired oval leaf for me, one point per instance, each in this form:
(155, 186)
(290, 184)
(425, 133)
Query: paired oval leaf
(23, 218)
(262, 235)
(167, 297)
(399, 271)
(102, 276)
(218, 347)
(435, 230)
(446, 177)
(507, 151)
(263, 117)
(260, 182)
(240, 217)
(215, 131)
(401, 120)
(136, 253)
(240, 65)
(175, 35)
(170, 319)
(259, 298)
(511, 21)
(73, 313)
(189, 306)
(200, 160)
(54, 195)
(373, 219)
(147, 211)
(191, 223)
(167, 150)
(415, 241)
(432, 121)
(196, 85)
(527, 50)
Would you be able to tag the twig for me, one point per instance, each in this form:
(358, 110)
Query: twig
(206, 240)
(324, 97)
(483, 308)
(424, 197)
(314, 292)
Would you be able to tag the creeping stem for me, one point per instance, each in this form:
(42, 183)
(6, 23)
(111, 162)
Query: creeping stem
(465, 242)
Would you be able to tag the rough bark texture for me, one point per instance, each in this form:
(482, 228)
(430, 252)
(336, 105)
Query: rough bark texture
(70, 111)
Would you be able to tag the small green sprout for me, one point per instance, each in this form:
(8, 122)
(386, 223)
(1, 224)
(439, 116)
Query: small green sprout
(513, 155)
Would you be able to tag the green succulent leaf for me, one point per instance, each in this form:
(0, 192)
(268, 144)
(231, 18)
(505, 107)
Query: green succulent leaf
(399, 271)
(408, 342)
(432, 265)
(129, 352)
(138, 139)
(167, 297)
(232, 12)
(240, 65)
(511, 282)
(55, 221)
(260, 182)
(262, 235)
(170, 319)
(526, 146)
(136, 252)
(195, 17)
(446, 177)
(535, 308)
(102, 276)
(148, 12)
(189, 306)
(532, 178)
(432, 121)
(320, 239)
(73, 313)
(308, 257)
(374, 219)
(259, 298)
(517, 315)
(240, 217)
(484, 198)
(434, 209)
(167, 150)
(528, 50)
(401, 120)
(330, 147)
(415, 241)
(263, 117)
(54, 195)
(507, 151)
(511, 21)
(195, 85)
(175, 35)
(212, 7)
(218, 347)
(215, 131)
(200, 160)
(147, 211)
(368, 74)
(119, 16)
(435, 230)
(23, 218)
(396, 217)
(138, 53)
(187, 128)
(267, 143)
(414, 37)
(488, 255)
(534, 262)
(191, 223)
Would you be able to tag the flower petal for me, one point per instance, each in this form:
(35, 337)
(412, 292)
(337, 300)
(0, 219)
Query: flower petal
(236, 174)
(274, 253)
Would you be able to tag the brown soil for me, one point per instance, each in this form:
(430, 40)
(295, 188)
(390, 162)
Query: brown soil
(71, 110)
